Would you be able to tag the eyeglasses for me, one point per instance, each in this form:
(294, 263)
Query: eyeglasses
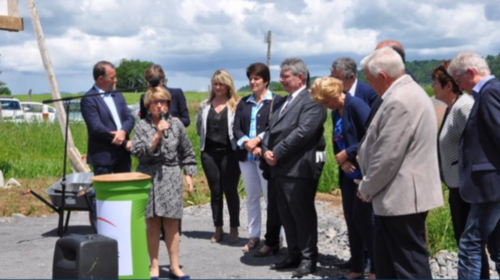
(156, 102)
(454, 83)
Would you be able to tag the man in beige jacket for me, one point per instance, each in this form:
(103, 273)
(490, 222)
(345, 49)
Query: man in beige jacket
(398, 159)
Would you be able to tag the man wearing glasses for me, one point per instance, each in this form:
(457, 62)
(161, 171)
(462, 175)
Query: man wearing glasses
(479, 163)
(290, 148)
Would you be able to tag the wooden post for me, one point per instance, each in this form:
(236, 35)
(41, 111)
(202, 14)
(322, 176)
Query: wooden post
(12, 21)
(269, 39)
(76, 161)
(1, 116)
(13, 10)
(29, 95)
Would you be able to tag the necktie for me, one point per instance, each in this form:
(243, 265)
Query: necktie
(287, 102)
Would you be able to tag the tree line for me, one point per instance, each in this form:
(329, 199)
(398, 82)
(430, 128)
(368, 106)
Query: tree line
(420, 69)
(130, 73)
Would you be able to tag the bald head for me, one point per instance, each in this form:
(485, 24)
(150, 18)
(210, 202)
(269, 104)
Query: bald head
(395, 45)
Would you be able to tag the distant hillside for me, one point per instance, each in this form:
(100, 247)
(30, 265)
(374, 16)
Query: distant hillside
(420, 69)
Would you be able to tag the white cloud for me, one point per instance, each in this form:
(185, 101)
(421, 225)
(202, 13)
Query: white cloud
(192, 38)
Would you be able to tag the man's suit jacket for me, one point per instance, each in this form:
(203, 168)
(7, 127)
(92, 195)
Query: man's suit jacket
(100, 123)
(479, 162)
(366, 93)
(378, 101)
(177, 108)
(449, 139)
(294, 135)
(398, 156)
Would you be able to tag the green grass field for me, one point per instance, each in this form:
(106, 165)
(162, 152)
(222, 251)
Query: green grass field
(36, 151)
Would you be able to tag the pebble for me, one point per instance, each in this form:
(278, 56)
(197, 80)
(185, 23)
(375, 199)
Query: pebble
(333, 243)
(18, 215)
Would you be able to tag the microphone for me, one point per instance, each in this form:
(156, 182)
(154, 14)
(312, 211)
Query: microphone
(164, 118)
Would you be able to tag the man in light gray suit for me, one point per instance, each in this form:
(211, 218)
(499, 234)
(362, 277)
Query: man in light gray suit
(290, 148)
(399, 162)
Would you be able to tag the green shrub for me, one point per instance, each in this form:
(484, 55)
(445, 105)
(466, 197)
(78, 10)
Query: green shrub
(440, 228)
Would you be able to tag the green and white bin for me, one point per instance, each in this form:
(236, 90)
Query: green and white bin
(121, 202)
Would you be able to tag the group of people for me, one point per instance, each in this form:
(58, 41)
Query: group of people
(384, 140)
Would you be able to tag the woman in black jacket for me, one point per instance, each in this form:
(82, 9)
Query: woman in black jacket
(251, 118)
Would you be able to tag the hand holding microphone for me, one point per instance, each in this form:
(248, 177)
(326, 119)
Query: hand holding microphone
(163, 125)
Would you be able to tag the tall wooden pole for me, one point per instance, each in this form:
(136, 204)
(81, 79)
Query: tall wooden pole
(73, 154)
(269, 39)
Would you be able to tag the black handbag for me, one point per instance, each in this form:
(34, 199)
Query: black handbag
(264, 167)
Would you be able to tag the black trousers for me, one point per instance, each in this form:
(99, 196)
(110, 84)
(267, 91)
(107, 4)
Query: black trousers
(400, 251)
(359, 220)
(298, 214)
(273, 223)
(459, 212)
(223, 174)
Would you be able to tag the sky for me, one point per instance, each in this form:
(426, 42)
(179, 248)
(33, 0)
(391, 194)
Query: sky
(191, 39)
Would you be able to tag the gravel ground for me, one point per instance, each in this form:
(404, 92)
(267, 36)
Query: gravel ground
(27, 248)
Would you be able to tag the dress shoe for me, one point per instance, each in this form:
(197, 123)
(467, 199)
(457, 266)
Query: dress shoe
(343, 265)
(286, 264)
(251, 244)
(359, 277)
(233, 235)
(217, 235)
(266, 251)
(305, 268)
(171, 275)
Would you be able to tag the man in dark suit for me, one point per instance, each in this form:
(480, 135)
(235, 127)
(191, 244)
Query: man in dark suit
(345, 69)
(479, 164)
(109, 123)
(290, 148)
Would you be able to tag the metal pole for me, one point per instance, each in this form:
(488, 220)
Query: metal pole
(269, 39)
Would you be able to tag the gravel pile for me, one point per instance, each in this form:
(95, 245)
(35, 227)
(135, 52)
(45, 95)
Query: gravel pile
(27, 247)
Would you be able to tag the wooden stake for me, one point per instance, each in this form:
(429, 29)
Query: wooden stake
(76, 162)
(11, 22)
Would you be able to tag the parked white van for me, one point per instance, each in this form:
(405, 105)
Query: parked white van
(38, 112)
(11, 110)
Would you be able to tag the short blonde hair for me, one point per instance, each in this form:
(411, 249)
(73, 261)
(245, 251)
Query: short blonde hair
(223, 77)
(325, 88)
(159, 92)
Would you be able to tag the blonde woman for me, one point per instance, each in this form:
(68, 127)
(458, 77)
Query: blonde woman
(218, 158)
(349, 115)
(163, 149)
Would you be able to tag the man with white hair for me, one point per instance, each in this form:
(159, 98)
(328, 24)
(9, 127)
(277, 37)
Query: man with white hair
(398, 158)
(479, 163)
